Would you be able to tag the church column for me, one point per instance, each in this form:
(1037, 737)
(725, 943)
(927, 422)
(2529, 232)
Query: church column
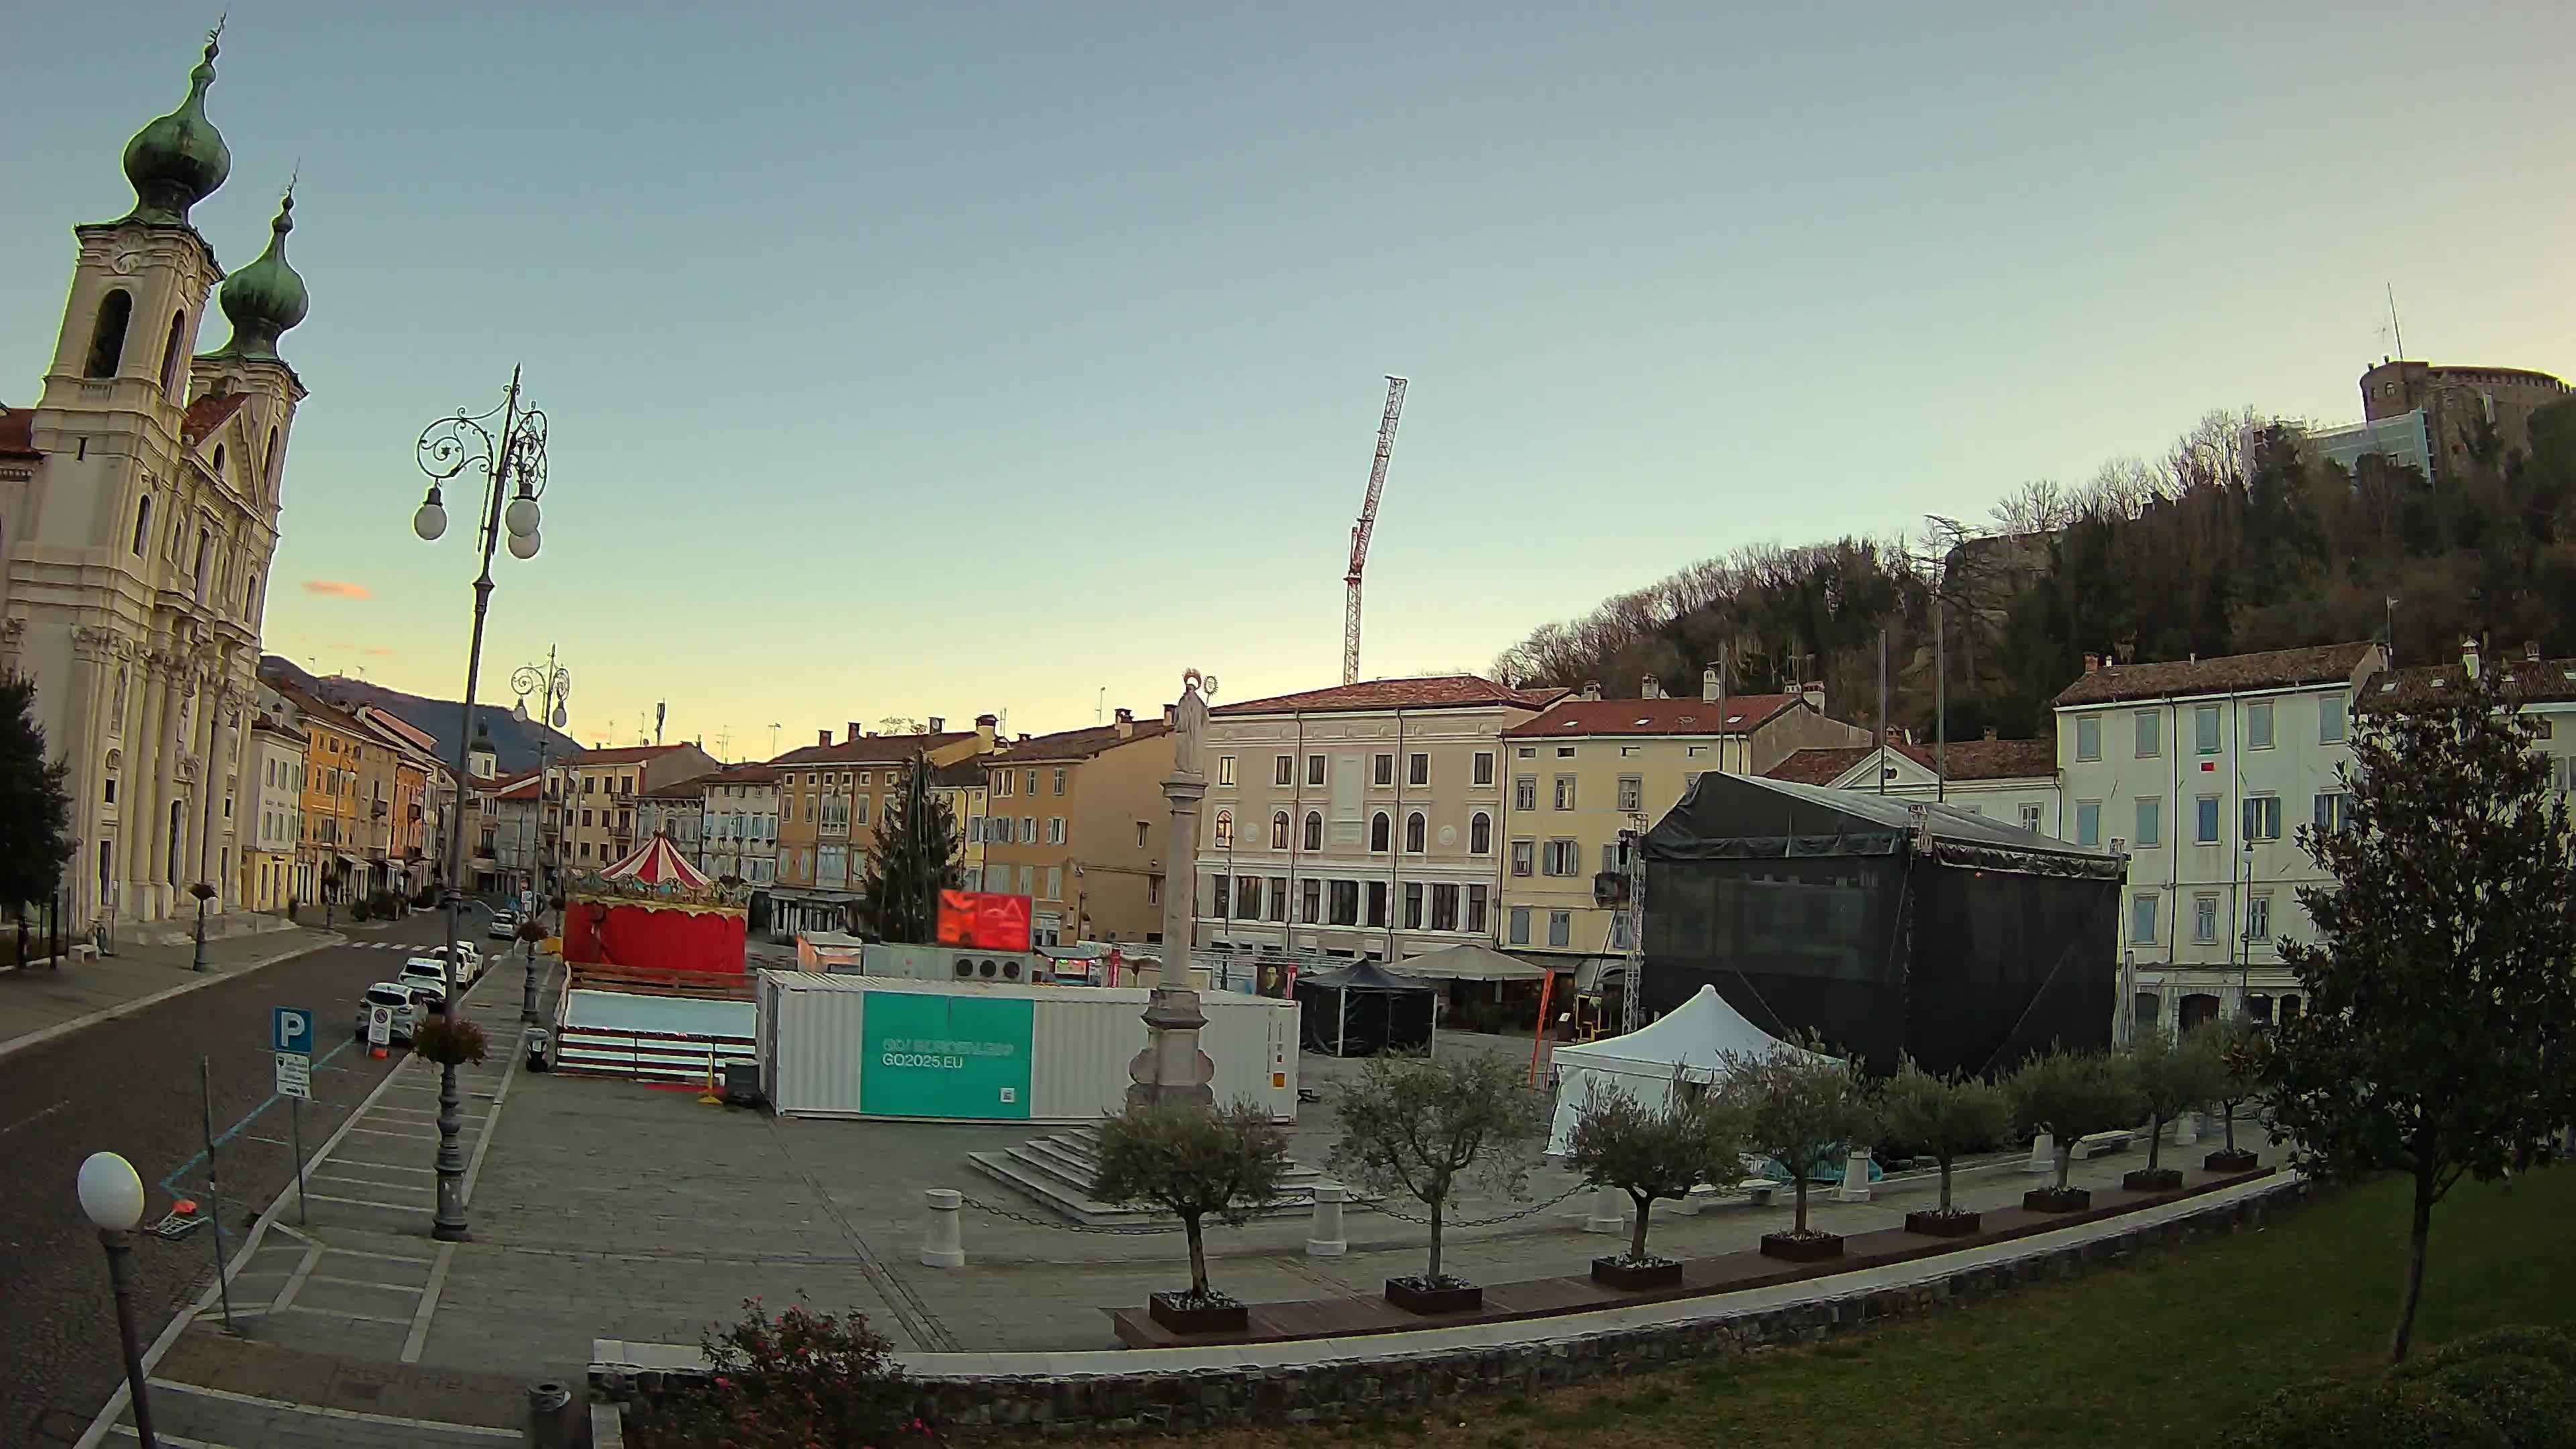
(142, 807)
(86, 744)
(169, 747)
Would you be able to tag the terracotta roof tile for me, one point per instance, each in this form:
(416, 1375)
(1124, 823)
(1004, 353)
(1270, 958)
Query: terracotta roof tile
(209, 413)
(624, 755)
(18, 434)
(2532, 681)
(1438, 691)
(871, 749)
(1081, 744)
(2273, 669)
(1743, 714)
(1819, 766)
(1969, 760)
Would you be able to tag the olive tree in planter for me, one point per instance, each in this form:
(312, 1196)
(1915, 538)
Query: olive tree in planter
(1945, 1116)
(1195, 1164)
(1802, 1108)
(2070, 1096)
(2242, 1050)
(1424, 1127)
(2173, 1075)
(1652, 1154)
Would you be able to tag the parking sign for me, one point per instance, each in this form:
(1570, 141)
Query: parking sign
(380, 1025)
(291, 1030)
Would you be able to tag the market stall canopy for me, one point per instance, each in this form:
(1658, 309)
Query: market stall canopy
(1738, 817)
(1470, 962)
(1363, 1009)
(1696, 1038)
(657, 862)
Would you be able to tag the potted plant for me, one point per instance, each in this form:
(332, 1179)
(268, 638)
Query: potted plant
(1651, 1153)
(1423, 1128)
(450, 1040)
(1194, 1164)
(1944, 1116)
(2172, 1076)
(1802, 1108)
(2070, 1095)
(2244, 1052)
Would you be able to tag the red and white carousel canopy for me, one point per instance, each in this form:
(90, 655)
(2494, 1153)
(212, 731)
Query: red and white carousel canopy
(657, 863)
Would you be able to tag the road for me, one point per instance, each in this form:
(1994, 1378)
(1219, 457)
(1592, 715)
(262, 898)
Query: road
(131, 1086)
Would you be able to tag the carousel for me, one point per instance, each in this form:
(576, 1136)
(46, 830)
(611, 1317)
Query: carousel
(655, 912)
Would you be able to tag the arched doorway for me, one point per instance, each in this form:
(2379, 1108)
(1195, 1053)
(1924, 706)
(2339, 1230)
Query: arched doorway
(2196, 1009)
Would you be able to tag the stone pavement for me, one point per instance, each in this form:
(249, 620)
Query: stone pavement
(41, 1003)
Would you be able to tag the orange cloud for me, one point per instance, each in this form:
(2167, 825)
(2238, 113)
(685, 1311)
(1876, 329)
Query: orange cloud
(337, 588)
(378, 650)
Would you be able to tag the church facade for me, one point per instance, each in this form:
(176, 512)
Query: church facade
(138, 517)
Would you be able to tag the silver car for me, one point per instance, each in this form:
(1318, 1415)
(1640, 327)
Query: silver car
(396, 997)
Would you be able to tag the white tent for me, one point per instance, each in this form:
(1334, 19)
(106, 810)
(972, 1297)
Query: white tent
(1696, 1037)
(1469, 962)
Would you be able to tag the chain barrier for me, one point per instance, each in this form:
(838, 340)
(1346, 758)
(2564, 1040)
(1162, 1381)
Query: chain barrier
(1110, 1230)
(1445, 1224)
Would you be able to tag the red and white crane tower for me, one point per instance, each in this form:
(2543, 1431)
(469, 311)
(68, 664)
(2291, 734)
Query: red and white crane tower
(1368, 524)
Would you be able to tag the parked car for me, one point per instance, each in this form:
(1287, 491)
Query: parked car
(399, 997)
(424, 974)
(469, 961)
(505, 925)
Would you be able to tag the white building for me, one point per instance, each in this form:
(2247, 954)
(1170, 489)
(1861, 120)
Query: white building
(275, 765)
(138, 515)
(2202, 771)
(740, 834)
(2012, 781)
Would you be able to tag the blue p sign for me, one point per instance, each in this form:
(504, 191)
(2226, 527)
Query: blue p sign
(291, 1030)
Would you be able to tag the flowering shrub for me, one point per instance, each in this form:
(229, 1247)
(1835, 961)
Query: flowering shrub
(799, 1380)
(451, 1041)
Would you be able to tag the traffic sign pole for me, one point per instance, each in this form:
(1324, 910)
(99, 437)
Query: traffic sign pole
(215, 1192)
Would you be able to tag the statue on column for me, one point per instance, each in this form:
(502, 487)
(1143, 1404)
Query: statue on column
(1189, 722)
(1171, 1068)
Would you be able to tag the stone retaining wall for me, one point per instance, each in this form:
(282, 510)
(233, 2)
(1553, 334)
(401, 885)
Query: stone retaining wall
(1406, 1382)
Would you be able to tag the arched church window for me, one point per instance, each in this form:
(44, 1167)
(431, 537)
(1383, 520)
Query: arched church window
(142, 524)
(170, 355)
(107, 338)
(219, 460)
(268, 462)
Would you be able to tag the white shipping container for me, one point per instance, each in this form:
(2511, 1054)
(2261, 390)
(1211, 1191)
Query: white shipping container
(814, 1048)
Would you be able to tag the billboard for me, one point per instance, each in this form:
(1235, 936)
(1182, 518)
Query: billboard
(946, 1056)
(984, 920)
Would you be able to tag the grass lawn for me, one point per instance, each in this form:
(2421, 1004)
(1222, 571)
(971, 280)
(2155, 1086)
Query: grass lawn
(2167, 1351)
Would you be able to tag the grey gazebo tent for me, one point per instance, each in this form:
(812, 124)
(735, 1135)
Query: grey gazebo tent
(1361, 1009)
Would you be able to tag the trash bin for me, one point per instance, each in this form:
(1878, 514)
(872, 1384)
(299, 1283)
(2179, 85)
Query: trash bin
(742, 1083)
(541, 1047)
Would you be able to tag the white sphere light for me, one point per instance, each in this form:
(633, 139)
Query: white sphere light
(111, 1193)
(521, 517)
(519, 711)
(524, 545)
(431, 521)
(563, 716)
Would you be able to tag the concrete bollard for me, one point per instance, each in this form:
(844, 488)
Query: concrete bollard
(2043, 1155)
(1609, 1212)
(1855, 1186)
(2186, 1129)
(940, 1245)
(1324, 1236)
(550, 1416)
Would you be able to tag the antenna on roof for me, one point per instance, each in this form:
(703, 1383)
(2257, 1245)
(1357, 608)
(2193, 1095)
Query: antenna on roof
(2394, 329)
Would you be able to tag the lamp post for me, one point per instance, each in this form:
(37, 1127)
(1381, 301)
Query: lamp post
(112, 1197)
(204, 893)
(516, 456)
(553, 686)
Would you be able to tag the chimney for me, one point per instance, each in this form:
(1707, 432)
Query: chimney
(1708, 685)
(2469, 657)
(986, 726)
(2531, 651)
(1592, 689)
(1171, 714)
(1990, 732)
(856, 732)
(938, 724)
(1814, 693)
(822, 737)
(1126, 724)
(1653, 688)
(2092, 663)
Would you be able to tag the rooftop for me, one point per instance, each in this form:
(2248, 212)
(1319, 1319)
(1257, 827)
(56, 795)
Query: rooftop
(1436, 691)
(209, 413)
(1742, 714)
(2528, 679)
(1969, 760)
(2226, 674)
(624, 754)
(872, 749)
(18, 433)
(1081, 744)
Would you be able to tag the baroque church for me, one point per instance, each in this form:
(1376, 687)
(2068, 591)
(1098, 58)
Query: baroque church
(138, 515)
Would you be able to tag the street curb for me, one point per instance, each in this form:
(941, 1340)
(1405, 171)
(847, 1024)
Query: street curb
(62, 1029)
(105, 1423)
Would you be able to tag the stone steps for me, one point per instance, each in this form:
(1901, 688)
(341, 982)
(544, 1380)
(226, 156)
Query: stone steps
(1057, 1172)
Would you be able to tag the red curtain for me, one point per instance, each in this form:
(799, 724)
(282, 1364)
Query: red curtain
(668, 940)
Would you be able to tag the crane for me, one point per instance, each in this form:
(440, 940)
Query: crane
(1368, 524)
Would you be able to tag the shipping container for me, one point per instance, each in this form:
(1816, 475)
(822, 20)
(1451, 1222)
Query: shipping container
(853, 1046)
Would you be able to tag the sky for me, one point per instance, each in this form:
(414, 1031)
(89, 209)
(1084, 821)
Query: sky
(911, 360)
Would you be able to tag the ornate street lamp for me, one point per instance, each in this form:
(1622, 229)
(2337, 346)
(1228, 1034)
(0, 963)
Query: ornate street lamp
(554, 685)
(512, 458)
(111, 1196)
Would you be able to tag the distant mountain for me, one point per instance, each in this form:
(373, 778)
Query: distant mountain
(515, 744)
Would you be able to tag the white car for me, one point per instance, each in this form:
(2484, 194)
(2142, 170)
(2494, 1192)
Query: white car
(429, 977)
(396, 996)
(469, 961)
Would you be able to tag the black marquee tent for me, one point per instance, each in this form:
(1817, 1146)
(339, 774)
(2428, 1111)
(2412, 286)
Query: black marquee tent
(1887, 925)
(1361, 1009)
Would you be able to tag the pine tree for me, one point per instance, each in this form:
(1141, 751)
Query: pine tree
(35, 809)
(913, 860)
(2441, 1011)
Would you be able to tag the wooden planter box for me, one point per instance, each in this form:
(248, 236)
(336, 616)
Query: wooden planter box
(1938, 1224)
(1636, 1277)
(1790, 1249)
(1169, 1310)
(2223, 1160)
(1448, 1298)
(2056, 1200)
(2155, 1179)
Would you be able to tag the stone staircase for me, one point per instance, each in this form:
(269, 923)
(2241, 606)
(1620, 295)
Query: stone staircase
(1057, 1173)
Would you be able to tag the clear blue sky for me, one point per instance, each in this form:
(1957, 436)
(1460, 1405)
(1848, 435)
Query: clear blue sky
(930, 359)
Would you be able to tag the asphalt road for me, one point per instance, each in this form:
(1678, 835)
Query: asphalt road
(131, 1086)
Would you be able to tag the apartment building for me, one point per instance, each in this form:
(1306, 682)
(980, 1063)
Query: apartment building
(600, 787)
(961, 787)
(275, 767)
(1586, 770)
(677, 810)
(740, 835)
(2202, 770)
(1363, 820)
(830, 799)
(330, 852)
(1077, 821)
(2014, 781)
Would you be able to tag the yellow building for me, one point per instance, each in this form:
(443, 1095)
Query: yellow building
(599, 789)
(330, 860)
(830, 799)
(1077, 822)
(1586, 769)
